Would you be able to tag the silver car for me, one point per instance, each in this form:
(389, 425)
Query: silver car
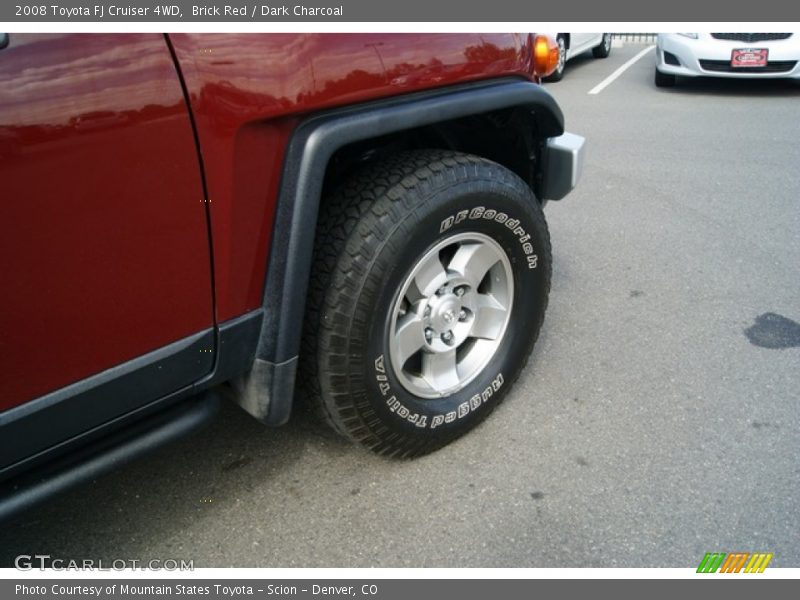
(747, 55)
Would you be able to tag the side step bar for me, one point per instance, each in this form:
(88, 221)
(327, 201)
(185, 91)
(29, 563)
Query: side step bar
(107, 454)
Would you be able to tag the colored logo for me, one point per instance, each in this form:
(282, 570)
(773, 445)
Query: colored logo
(734, 562)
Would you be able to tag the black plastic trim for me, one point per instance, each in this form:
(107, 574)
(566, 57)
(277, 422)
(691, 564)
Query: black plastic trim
(309, 151)
(671, 59)
(37, 431)
(106, 454)
(79, 408)
(64, 462)
(237, 343)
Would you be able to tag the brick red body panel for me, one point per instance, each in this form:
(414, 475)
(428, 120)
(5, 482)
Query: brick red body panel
(104, 253)
(248, 92)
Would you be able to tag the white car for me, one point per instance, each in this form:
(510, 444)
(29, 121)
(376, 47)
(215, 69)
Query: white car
(571, 45)
(748, 55)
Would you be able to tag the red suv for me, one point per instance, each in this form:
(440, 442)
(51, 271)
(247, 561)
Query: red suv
(356, 215)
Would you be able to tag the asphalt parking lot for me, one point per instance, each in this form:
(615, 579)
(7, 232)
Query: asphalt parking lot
(654, 423)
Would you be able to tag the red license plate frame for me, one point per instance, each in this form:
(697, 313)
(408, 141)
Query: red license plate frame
(749, 58)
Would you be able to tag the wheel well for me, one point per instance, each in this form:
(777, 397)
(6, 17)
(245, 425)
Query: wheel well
(506, 137)
(492, 119)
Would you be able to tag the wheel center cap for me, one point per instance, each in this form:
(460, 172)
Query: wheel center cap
(444, 312)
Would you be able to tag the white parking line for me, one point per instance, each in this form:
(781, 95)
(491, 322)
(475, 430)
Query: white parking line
(607, 81)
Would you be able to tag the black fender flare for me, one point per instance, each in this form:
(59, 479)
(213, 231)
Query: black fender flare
(267, 390)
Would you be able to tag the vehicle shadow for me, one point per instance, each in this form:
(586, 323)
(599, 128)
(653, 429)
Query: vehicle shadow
(192, 480)
(718, 86)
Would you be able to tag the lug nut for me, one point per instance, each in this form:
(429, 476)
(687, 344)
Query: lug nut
(462, 315)
(447, 337)
(460, 292)
(428, 334)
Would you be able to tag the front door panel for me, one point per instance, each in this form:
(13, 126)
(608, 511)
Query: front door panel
(104, 252)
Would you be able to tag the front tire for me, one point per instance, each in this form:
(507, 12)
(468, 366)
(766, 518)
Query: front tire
(430, 285)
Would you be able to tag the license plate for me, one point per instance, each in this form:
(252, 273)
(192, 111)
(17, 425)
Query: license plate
(749, 57)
